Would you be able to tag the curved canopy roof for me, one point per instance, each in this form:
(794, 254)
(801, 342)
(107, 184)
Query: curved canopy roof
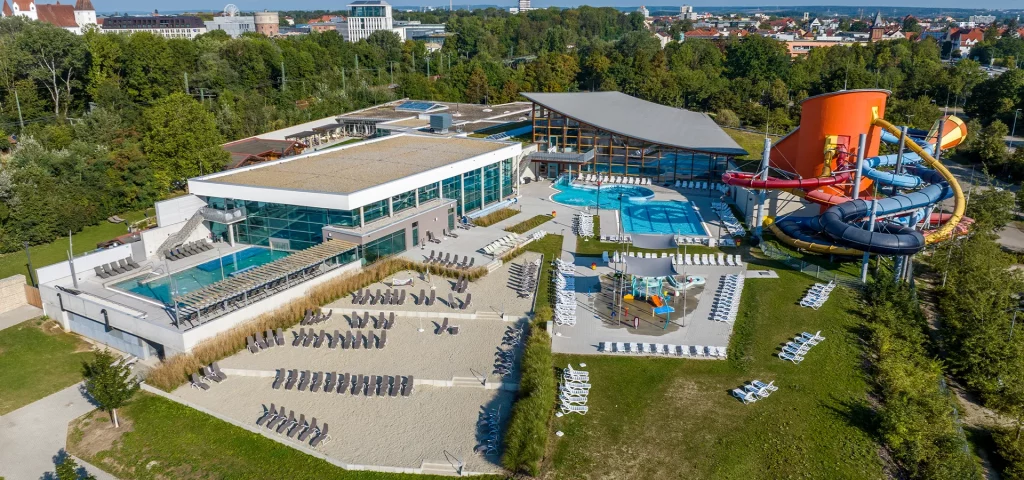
(632, 117)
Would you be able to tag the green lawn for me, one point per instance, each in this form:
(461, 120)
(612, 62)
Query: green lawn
(47, 254)
(845, 265)
(37, 359)
(527, 225)
(671, 418)
(164, 439)
(753, 143)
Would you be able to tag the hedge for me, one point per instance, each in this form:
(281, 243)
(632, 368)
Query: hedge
(527, 433)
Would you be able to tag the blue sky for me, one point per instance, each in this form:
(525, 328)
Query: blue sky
(168, 5)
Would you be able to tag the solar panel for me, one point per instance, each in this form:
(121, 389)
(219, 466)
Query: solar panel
(421, 107)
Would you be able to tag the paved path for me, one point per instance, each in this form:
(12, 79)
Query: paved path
(18, 315)
(32, 436)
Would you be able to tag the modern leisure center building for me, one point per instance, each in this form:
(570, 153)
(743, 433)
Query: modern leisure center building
(248, 240)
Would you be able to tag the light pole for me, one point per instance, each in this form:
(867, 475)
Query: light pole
(1014, 129)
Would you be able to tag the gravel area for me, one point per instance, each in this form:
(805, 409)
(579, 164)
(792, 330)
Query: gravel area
(386, 431)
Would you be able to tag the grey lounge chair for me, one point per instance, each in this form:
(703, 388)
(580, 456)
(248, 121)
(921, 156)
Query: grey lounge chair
(379, 321)
(306, 317)
(451, 300)
(271, 341)
(391, 321)
(305, 433)
(280, 379)
(309, 338)
(442, 327)
(108, 271)
(267, 415)
(471, 262)
(304, 381)
(321, 437)
(278, 419)
(280, 336)
(260, 341)
(320, 339)
(299, 425)
(198, 382)
(329, 382)
(346, 341)
(433, 297)
(131, 262)
(357, 342)
(407, 386)
(401, 298)
(251, 345)
(370, 340)
(344, 384)
(366, 297)
(315, 385)
(216, 369)
(386, 300)
(209, 374)
(357, 389)
(395, 387)
(365, 320)
(453, 330)
(353, 320)
(124, 265)
(293, 376)
(116, 269)
(285, 425)
(298, 337)
(468, 302)
(334, 340)
(420, 299)
(382, 340)
(100, 273)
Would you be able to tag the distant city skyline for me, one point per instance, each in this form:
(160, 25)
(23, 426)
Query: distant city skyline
(108, 6)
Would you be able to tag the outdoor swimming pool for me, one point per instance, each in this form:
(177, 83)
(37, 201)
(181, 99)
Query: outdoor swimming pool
(157, 286)
(639, 213)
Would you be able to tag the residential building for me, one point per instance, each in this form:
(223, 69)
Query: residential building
(964, 40)
(686, 13)
(644, 11)
(234, 25)
(368, 16)
(524, 6)
(74, 19)
(167, 26)
(324, 27)
(982, 19)
(267, 23)
(614, 133)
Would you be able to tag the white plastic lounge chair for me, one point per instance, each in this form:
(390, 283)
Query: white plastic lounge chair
(698, 351)
(580, 409)
(791, 357)
(744, 396)
(684, 350)
(721, 259)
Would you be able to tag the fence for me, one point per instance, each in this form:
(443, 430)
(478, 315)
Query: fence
(811, 269)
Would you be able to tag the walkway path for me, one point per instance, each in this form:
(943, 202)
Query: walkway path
(32, 436)
(18, 315)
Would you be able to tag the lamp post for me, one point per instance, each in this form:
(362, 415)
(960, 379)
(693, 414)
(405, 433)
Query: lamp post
(31, 276)
(1014, 129)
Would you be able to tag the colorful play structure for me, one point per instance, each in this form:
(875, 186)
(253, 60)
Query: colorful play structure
(654, 289)
(832, 159)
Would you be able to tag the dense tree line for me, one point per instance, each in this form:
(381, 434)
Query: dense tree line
(152, 110)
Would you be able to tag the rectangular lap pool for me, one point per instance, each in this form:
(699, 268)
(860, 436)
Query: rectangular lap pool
(157, 286)
(671, 217)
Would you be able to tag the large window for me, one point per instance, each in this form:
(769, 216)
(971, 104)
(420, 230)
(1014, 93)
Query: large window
(471, 183)
(430, 192)
(453, 190)
(492, 183)
(375, 211)
(300, 226)
(403, 201)
(506, 177)
(390, 244)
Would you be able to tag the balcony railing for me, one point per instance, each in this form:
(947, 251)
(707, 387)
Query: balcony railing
(217, 215)
(569, 157)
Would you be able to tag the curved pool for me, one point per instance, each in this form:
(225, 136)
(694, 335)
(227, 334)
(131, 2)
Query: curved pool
(587, 195)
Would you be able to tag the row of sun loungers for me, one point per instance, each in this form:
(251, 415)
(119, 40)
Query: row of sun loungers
(729, 221)
(573, 391)
(388, 297)
(696, 351)
(697, 185)
(592, 178)
(583, 225)
(443, 328)
(379, 322)
(275, 419)
(796, 350)
(565, 293)
(817, 295)
(505, 358)
(754, 391)
(727, 298)
(343, 383)
(502, 245)
(721, 260)
(445, 260)
(115, 268)
(691, 240)
(313, 318)
(188, 249)
(616, 238)
(257, 342)
(308, 338)
(490, 423)
(211, 373)
(525, 281)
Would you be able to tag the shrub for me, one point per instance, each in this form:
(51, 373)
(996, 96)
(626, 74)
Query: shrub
(727, 118)
(175, 370)
(495, 217)
(530, 224)
(527, 433)
(1011, 449)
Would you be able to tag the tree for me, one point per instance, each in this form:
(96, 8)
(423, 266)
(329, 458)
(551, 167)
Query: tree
(181, 139)
(478, 87)
(56, 59)
(68, 469)
(992, 144)
(991, 209)
(727, 118)
(109, 382)
(757, 58)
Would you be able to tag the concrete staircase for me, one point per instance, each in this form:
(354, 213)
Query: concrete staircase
(179, 237)
(494, 265)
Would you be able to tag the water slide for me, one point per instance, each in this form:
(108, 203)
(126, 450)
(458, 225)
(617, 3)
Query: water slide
(657, 301)
(842, 228)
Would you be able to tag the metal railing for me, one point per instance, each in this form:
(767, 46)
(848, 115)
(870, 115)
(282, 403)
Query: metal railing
(810, 269)
(223, 216)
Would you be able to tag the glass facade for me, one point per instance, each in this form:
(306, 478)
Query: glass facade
(506, 177)
(299, 226)
(367, 11)
(492, 183)
(404, 201)
(618, 155)
(374, 211)
(429, 192)
(453, 190)
(471, 187)
(390, 244)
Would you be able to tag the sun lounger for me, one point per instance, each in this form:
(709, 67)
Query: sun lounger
(383, 339)
(391, 321)
(347, 340)
(321, 438)
(298, 426)
(304, 380)
(344, 383)
(407, 386)
(299, 337)
(280, 379)
(208, 374)
(198, 383)
(444, 326)
(319, 339)
(329, 382)
(744, 396)
(267, 415)
(359, 386)
(293, 377)
(580, 409)
(251, 345)
(289, 423)
(308, 340)
(314, 385)
(791, 357)
(260, 341)
(100, 273)
(357, 341)
(308, 430)
(217, 371)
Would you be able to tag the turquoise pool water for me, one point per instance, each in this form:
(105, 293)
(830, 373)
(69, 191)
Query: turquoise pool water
(158, 287)
(639, 213)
